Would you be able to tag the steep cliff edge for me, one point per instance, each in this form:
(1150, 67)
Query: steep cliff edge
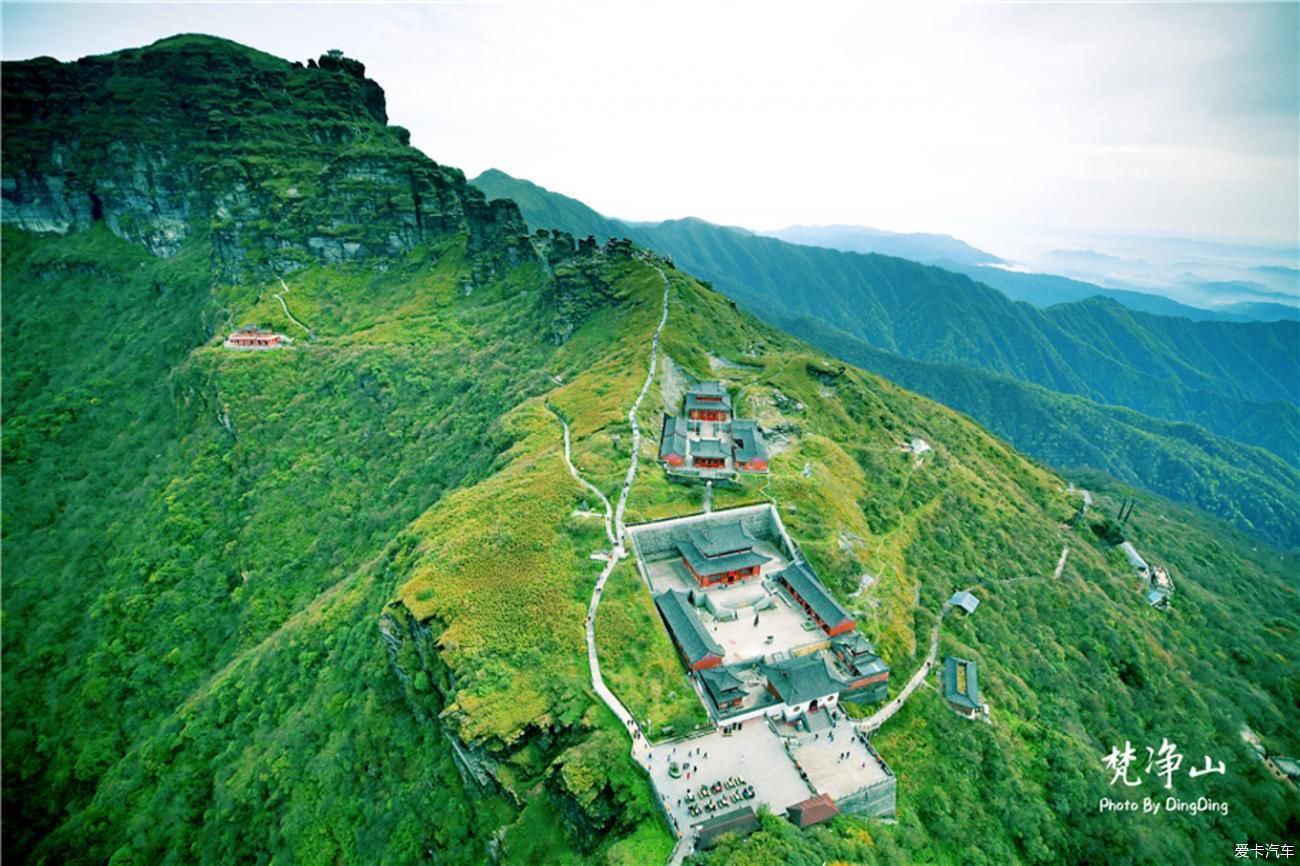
(280, 164)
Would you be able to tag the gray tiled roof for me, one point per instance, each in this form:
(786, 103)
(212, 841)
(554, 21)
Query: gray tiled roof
(708, 448)
(749, 441)
(686, 627)
(673, 440)
(803, 678)
(970, 698)
(711, 388)
(721, 537)
(965, 601)
(722, 684)
(705, 565)
(854, 643)
(800, 577)
(742, 822)
(709, 396)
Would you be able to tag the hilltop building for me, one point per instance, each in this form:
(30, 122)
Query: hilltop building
(804, 587)
(253, 337)
(751, 450)
(961, 687)
(672, 444)
(814, 810)
(741, 822)
(965, 601)
(749, 616)
(706, 442)
(708, 454)
(771, 655)
(1156, 586)
(721, 553)
(708, 401)
(802, 684)
(1160, 588)
(868, 675)
(725, 689)
(1135, 559)
(688, 634)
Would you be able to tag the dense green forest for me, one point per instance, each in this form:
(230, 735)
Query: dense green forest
(1234, 381)
(1246, 485)
(325, 604)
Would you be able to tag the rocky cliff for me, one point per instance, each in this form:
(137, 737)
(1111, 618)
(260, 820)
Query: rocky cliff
(278, 164)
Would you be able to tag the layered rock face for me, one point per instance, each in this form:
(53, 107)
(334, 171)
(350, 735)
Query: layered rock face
(279, 164)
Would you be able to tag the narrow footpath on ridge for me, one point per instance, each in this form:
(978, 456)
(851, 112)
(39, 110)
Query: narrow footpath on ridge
(279, 297)
(615, 530)
(872, 723)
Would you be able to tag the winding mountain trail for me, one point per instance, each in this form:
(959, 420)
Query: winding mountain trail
(615, 530)
(1060, 565)
(631, 414)
(872, 723)
(279, 297)
(573, 470)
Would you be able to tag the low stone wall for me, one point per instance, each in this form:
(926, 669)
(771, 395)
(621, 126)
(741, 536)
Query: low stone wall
(874, 801)
(656, 541)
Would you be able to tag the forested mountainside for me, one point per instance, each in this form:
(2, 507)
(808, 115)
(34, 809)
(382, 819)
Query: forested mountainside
(1246, 485)
(1236, 380)
(325, 604)
(1202, 372)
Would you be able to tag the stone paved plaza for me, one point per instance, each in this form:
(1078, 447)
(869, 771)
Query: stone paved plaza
(819, 756)
(753, 752)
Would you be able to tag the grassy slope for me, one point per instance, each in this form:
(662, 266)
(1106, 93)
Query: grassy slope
(167, 567)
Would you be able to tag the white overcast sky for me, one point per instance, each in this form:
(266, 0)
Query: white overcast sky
(988, 121)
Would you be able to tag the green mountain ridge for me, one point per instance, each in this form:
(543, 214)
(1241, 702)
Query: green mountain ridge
(1171, 369)
(325, 604)
(1247, 486)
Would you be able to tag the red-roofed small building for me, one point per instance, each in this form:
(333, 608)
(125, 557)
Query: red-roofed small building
(814, 810)
(253, 337)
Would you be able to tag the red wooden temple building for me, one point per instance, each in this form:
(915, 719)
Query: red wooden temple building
(721, 553)
(708, 401)
(808, 592)
(253, 337)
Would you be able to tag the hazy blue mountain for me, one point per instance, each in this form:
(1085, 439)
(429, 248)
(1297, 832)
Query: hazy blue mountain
(1166, 366)
(1202, 274)
(932, 249)
(1046, 290)
(1264, 312)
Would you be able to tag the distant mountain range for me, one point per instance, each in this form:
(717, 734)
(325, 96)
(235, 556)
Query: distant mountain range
(919, 247)
(1261, 302)
(1237, 380)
